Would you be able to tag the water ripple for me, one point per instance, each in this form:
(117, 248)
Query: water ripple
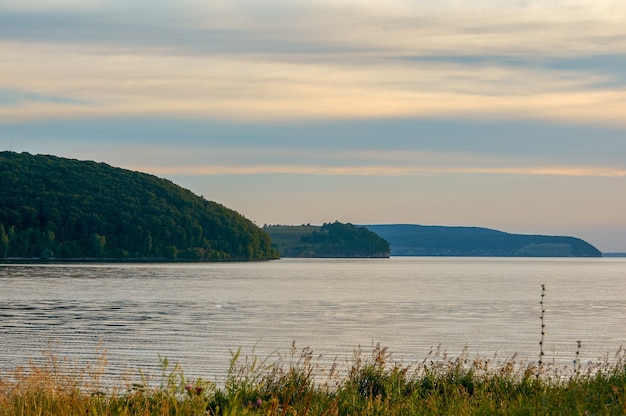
(197, 314)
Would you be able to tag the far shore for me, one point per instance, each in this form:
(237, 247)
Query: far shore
(130, 260)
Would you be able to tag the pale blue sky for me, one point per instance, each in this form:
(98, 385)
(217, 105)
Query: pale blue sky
(503, 114)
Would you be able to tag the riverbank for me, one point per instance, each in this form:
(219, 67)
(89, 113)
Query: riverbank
(296, 385)
(115, 260)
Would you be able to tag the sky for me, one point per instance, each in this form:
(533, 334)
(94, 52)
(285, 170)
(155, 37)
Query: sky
(502, 114)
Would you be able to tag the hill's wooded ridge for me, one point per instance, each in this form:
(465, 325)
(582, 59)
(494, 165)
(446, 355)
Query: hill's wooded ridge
(421, 240)
(329, 240)
(64, 208)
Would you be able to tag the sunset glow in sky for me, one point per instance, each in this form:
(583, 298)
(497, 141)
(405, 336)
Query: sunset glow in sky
(495, 113)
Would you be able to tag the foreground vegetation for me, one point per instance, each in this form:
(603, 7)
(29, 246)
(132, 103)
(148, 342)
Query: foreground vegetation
(297, 385)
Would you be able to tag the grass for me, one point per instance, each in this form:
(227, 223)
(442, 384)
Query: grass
(296, 384)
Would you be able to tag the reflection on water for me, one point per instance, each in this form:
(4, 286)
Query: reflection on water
(196, 314)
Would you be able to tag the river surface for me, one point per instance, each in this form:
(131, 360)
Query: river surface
(197, 314)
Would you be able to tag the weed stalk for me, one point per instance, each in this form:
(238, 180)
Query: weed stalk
(543, 330)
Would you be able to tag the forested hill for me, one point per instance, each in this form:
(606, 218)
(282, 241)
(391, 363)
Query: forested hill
(51, 207)
(329, 240)
(420, 240)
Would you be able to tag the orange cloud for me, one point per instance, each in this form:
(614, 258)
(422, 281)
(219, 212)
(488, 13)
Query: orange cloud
(377, 170)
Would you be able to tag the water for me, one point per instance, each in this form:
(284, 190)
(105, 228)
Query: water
(197, 314)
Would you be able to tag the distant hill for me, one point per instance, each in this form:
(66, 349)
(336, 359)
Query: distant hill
(420, 240)
(52, 207)
(329, 240)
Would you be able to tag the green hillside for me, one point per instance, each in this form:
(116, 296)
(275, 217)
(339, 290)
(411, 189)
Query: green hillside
(420, 240)
(63, 208)
(329, 240)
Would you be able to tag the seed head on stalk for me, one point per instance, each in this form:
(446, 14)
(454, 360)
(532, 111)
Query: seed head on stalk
(543, 330)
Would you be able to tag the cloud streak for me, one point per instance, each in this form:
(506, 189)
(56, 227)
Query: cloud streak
(363, 163)
(378, 170)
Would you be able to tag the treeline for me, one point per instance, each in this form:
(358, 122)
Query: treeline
(63, 208)
(330, 240)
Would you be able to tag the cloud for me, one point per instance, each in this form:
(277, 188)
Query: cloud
(254, 88)
(506, 28)
(210, 170)
(38, 5)
(364, 148)
(260, 160)
(298, 60)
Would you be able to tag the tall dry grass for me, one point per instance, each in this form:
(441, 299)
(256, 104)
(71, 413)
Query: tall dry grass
(296, 384)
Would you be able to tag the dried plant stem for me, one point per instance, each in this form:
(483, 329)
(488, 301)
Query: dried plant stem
(577, 359)
(543, 330)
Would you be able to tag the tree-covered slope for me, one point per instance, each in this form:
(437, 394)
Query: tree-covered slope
(420, 240)
(63, 208)
(329, 240)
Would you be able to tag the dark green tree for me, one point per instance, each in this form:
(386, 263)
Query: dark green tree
(339, 240)
(79, 209)
(4, 241)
